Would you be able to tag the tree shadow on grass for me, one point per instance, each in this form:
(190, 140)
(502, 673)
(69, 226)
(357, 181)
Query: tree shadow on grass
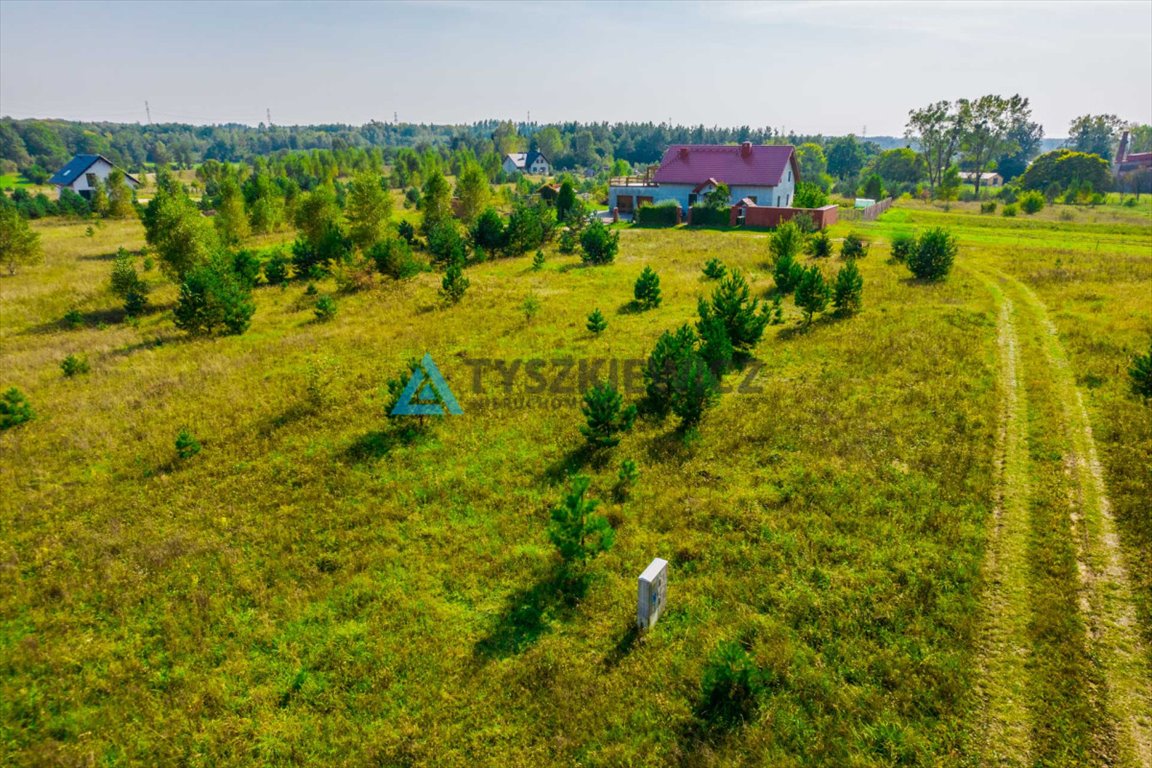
(289, 415)
(97, 317)
(630, 308)
(529, 614)
(572, 462)
(375, 445)
(674, 446)
(625, 644)
(800, 329)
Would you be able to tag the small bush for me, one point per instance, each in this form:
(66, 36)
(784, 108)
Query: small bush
(187, 445)
(903, 243)
(569, 241)
(988, 207)
(1031, 202)
(625, 479)
(714, 269)
(596, 322)
(776, 314)
(599, 244)
(530, 306)
(1140, 374)
(1009, 210)
(820, 245)
(853, 247)
(278, 268)
(647, 289)
(14, 409)
(213, 300)
(731, 686)
(394, 258)
(74, 365)
(325, 309)
(935, 251)
(455, 284)
(73, 318)
(538, 261)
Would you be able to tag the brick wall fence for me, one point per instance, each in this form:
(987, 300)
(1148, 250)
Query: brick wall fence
(770, 217)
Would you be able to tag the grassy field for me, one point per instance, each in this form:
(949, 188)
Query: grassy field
(926, 527)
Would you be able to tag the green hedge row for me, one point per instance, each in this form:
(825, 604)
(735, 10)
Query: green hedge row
(703, 216)
(660, 215)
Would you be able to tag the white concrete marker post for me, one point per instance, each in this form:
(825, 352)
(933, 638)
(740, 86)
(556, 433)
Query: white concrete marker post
(652, 592)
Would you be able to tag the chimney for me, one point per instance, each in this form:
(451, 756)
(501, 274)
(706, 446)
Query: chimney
(1122, 151)
(746, 149)
(683, 153)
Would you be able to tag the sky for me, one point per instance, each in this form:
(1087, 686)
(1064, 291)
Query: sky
(805, 67)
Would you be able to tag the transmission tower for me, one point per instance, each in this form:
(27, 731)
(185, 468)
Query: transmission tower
(268, 111)
(148, 111)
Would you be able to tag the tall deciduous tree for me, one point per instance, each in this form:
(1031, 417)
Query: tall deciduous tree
(19, 245)
(434, 200)
(369, 208)
(231, 219)
(845, 157)
(937, 129)
(119, 196)
(986, 122)
(473, 191)
(174, 227)
(813, 162)
(1095, 134)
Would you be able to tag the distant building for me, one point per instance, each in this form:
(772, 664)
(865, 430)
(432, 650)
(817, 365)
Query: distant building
(1133, 171)
(987, 178)
(527, 162)
(1127, 161)
(82, 173)
(764, 174)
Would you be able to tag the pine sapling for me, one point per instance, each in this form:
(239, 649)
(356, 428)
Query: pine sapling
(848, 291)
(647, 289)
(812, 293)
(577, 532)
(607, 416)
(596, 322)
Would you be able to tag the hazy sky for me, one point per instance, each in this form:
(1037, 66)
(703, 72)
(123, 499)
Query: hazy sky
(813, 67)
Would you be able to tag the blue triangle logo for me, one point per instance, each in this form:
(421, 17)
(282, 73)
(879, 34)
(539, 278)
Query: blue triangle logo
(427, 394)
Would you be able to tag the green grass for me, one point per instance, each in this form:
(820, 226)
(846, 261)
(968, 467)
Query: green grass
(310, 589)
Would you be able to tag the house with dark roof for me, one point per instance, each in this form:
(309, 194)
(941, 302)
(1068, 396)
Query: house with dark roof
(764, 174)
(527, 162)
(83, 172)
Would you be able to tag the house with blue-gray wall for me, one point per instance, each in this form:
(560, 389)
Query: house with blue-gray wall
(765, 174)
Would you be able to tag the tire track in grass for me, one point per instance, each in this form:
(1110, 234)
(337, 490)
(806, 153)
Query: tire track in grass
(1105, 599)
(1004, 722)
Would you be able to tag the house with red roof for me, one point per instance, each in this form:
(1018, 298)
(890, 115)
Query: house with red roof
(764, 174)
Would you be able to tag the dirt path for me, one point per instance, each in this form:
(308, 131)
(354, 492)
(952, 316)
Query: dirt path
(1004, 670)
(1106, 593)
(1004, 722)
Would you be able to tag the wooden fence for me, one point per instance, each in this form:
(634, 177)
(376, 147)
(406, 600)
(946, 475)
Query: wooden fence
(866, 214)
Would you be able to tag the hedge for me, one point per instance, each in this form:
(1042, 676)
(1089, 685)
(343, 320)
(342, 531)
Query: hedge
(703, 216)
(661, 215)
